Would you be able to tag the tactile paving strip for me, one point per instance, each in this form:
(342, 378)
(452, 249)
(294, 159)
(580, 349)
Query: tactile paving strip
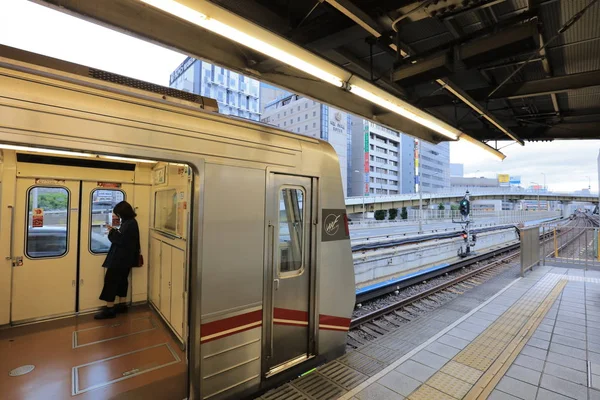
(316, 386)
(362, 363)
(428, 393)
(449, 385)
(463, 372)
(342, 375)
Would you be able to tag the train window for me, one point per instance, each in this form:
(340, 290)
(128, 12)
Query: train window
(291, 236)
(103, 202)
(47, 222)
(165, 210)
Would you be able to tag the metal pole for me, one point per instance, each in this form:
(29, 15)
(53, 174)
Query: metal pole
(420, 209)
(363, 217)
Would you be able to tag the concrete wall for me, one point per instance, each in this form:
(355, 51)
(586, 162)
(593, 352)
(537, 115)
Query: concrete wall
(374, 266)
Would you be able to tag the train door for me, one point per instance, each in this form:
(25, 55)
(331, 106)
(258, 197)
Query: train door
(289, 319)
(44, 277)
(97, 201)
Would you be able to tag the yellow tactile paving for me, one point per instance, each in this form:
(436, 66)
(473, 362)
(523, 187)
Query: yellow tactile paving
(476, 370)
(428, 393)
(462, 371)
(449, 385)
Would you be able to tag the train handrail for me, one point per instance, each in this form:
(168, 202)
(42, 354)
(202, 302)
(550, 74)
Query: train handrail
(12, 226)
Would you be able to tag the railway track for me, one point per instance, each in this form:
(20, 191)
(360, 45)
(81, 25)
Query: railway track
(389, 315)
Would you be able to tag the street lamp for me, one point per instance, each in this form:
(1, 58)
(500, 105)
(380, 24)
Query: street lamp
(363, 196)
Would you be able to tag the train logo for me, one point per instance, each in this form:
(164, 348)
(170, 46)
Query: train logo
(338, 116)
(332, 224)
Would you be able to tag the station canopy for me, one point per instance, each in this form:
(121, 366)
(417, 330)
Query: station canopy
(479, 70)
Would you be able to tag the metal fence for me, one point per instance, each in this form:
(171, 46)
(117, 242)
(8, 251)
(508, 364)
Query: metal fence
(571, 246)
(530, 248)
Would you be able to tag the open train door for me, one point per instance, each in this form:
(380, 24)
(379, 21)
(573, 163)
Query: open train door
(289, 304)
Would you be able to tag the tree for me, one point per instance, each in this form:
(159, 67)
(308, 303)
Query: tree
(393, 213)
(454, 206)
(380, 215)
(404, 213)
(441, 207)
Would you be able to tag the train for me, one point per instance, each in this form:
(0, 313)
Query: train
(243, 226)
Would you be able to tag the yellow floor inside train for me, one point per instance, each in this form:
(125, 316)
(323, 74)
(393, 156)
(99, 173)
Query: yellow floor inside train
(132, 356)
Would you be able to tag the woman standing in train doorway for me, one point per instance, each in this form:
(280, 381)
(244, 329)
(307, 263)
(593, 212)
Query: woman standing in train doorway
(124, 254)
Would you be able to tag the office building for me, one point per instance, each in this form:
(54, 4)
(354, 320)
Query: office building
(434, 167)
(236, 94)
(307, 117)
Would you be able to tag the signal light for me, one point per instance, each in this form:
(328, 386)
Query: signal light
(464, 235)
(465, 207)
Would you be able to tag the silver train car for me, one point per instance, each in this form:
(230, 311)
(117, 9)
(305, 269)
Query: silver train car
(243, 228)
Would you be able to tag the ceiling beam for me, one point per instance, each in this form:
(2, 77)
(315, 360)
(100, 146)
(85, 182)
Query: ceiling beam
(518, 90)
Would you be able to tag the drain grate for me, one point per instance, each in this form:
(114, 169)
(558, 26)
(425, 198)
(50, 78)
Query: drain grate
(316, 386)
(362, 363)
(22, 370)
(286, 392)
(342, 375)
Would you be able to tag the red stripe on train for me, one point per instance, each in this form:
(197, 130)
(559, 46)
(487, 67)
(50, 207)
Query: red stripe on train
(334, 321)
(292, 315)
(215, 327)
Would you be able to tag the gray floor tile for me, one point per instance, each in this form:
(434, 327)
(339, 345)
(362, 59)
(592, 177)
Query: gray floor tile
(564, 387)
(595, 347)
(593, 357)
(567, 341)
(431, 360)
(454, 341)
(530, 362)
(545, 328)
(534, 352)
(488, 317)
(567, 361)
(568, 351)
(570, 332)
(542, 335)
(462, 334)
(570, 320)
(517, 388)
(568, 374)
(498, 395)
(378, 392)
(539, 343)
(545, 394)
(524, 374)
(416, 370)
(593, 394)
(442, 349)
(399, 383)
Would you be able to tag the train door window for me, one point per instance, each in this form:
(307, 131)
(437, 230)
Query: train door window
(291, 235)
(47, 225)
(165, 210)
(103, 202)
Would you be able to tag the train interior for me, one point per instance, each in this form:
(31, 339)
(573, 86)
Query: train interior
(57, 207)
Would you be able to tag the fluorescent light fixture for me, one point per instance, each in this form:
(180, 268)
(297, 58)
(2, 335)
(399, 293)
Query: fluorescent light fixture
(46, 151)
(482, 145)
(213, 25)
(129, 159)
(380, 101)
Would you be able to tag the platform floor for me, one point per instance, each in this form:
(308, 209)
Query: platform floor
(132, 356)
(531, 338)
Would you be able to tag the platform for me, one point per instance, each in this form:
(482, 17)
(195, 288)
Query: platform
(132, 356)
(536, 337)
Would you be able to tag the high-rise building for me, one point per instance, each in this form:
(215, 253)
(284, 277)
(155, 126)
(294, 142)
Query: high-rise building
(384, 162)
(300, 115)
(236, 94)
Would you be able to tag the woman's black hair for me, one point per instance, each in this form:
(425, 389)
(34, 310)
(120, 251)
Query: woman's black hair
(124, 210)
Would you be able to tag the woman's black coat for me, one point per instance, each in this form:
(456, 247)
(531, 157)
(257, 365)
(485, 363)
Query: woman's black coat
(125, 246)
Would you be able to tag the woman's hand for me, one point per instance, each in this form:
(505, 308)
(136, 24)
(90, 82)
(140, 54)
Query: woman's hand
(109, 228)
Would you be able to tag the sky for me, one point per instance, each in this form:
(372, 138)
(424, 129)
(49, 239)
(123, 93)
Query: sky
(29, 26)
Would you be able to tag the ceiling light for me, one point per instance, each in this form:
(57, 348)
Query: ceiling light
(213, 25)
(46, 151)
(129, 159)
(483, 146)
(403, 111)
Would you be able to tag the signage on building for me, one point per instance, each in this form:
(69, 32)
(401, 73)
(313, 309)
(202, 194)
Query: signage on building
(367, 133)
(515, 180)
(503, 178)
(181, 69)
(417, 180)
(338, 122)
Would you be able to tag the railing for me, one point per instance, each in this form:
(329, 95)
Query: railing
(477, 216)
(571, 246)
(530, 248)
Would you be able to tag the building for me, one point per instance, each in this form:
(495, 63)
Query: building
(434, 167)
(307, 117)
(457, 170)
(236, 94)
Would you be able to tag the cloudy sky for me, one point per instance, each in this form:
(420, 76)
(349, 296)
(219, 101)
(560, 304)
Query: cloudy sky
(567, 165)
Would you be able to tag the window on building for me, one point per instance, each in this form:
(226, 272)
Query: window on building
(381, 170)
(381, 160)
(284, 113)
(284, 123)
(298, 108)
(393, 192)
(371, 168)
(305, 127)
(393, 182)
(394, 163)
(314, 124)
(314, 113)
(305, 116)
(392, 172)
(393, 153)
(372, 158)
(372, 147)
(298, 119)
(371, 179)
(305, 105)
(371, 190)
(381, 150)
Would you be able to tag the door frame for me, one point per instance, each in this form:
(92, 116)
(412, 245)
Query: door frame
(271, 198)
